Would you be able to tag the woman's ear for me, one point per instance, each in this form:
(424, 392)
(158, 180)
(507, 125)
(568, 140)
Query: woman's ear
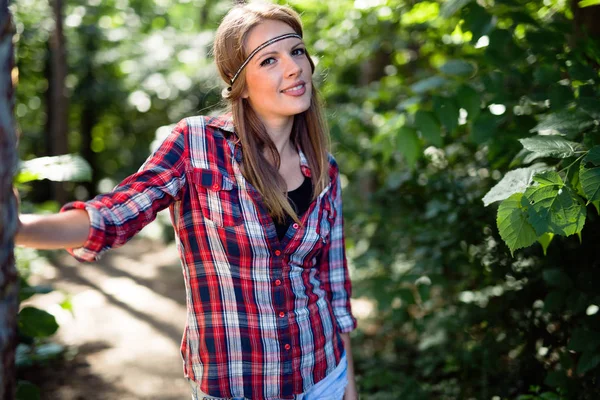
(244, 94)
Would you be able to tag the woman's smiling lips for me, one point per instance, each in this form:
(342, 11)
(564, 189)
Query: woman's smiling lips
(298, 89)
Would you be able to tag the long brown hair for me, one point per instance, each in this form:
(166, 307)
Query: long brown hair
(309, 131)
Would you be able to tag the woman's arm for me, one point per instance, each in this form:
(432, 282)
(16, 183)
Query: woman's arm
(335, 279)
(88, 229)
(69, 229)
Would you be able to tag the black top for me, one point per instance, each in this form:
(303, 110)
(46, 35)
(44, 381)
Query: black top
(299, 200)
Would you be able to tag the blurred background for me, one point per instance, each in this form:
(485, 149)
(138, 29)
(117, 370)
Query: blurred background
(426, 103)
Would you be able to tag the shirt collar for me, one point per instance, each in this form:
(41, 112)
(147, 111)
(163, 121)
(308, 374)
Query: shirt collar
(225, 123)
(304, 163)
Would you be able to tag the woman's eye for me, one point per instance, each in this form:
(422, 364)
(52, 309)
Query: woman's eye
(299, 52)
(267, 61)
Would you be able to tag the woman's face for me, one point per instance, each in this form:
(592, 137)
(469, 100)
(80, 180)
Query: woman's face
(278, 78)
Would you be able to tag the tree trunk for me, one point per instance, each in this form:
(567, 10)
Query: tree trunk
(9, 290)
(86, 93)
(58, 104)
(89, 119)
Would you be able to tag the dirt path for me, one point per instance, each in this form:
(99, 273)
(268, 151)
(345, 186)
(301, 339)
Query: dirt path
(129, 315)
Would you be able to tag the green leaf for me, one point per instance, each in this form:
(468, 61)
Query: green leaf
(447, 112)
(515, 181)
(577, 302)
(553, 207)
(409, 145)
(519, 158)
(556, 379)
(512, 223)
(477, 20)
(450, 7)
(23, 356)
(67, 305)
(411, 102)
(593, 156)
(48, 351)
(549, 396)
(428, 84)
(565, 122)
(546, 74)
(560, 96)
(484, 128)
(557, 278)
(550, 146)
(584, 340)
(457, 67)
(572, 177)
(588, 361)
(37, 323)
(469, 99)
(597, 205)
(591, 105)
(27, 391)
(429, 127)
(548, 178)
(589, 174)
(554, 301)
(588, 3)
(590, 182)
(65, 168)
(581, 72)
(26, 176)
(545, 240)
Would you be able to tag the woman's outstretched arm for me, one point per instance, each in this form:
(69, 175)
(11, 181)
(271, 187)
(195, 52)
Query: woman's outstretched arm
(69, 229)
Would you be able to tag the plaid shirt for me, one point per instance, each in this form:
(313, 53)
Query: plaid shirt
(263, 315)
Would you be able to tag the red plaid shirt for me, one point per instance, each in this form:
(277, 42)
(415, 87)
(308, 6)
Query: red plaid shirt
(264, 315)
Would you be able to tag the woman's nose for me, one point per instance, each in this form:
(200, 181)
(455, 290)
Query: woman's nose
(293, 67)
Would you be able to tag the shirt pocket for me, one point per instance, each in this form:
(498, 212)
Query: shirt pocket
(327, 220)
(218, 196)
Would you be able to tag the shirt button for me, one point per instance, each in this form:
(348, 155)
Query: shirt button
(277, 252)
(282, 314)
(216, 186)
(296, 226)
(287, 347)
(277, 282)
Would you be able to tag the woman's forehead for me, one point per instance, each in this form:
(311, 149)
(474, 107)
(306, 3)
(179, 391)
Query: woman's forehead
(265, 31)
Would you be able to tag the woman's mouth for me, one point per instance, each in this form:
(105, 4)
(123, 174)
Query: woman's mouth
(297, 90)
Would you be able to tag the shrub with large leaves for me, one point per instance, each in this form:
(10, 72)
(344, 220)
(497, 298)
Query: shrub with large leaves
(433, 105)
(537, 205)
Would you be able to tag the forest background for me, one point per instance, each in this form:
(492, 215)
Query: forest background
(431, 105)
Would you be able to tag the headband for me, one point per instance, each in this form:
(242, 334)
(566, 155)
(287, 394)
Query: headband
(259, 48)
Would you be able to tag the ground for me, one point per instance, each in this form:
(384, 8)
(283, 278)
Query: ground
(123, 337)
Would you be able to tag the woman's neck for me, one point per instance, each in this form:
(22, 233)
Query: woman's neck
(280, 133)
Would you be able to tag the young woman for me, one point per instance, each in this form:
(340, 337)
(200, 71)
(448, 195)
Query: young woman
(255, 201)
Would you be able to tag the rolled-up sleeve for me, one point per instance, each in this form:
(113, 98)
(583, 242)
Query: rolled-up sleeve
(117, 216)
(333, 269)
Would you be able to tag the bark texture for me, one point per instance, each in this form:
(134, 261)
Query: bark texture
(9, 289)
(58, 105)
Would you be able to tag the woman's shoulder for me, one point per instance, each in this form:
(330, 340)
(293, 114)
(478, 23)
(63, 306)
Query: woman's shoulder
(209, 125)
(205, 137)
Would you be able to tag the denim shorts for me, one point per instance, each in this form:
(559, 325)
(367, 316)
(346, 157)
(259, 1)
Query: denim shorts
(332, 387)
